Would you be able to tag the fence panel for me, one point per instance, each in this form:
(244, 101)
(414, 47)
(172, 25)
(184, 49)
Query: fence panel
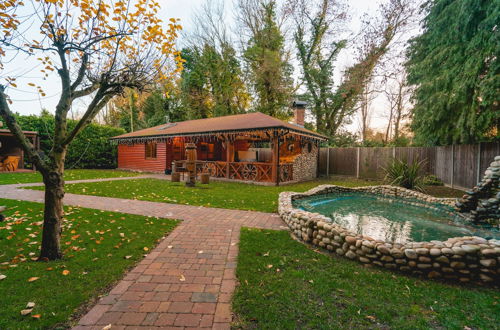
(425, 154)
(372, 162)
(323, 161)
(488, 152)
(461, 166)
(465, 165)
(343, 161)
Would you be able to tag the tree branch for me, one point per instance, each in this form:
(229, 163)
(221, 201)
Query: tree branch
(81, 72)
(99, 101)
(85, 91)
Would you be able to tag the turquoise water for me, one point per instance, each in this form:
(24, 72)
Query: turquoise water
(391, 220)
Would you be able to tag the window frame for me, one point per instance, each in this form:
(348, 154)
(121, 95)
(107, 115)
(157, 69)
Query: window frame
(151, 150)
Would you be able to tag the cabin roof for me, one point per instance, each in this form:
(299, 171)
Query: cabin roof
(228, 124)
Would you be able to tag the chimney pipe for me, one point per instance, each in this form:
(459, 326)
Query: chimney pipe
(299, 112)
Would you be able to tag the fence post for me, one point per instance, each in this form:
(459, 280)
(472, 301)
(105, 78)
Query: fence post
(357, 163)
(452, 164)
(327, 162)
(478, 177)
(393, 153)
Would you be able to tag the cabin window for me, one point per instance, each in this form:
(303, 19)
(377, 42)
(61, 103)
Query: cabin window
(151, 150)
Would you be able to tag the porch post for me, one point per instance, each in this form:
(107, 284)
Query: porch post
(276, 158)
(229, 156)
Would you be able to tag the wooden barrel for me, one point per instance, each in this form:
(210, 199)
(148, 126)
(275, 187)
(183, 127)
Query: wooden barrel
(175, 177)
(205, 178)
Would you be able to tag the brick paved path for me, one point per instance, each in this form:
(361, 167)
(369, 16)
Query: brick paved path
(187, 281)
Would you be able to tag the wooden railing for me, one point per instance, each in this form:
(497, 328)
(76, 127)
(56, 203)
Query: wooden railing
(215, 168)
(246, 171)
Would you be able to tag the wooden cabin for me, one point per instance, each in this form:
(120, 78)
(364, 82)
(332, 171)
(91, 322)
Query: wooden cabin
(11, 151)
(248, 147)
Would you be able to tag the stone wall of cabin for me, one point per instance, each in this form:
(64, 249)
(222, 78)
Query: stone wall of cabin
(305, 165)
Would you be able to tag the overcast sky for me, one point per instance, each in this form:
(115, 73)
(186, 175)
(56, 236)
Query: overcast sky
(27, 101)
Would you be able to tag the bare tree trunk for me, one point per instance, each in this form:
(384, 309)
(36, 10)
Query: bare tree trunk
(388, 129)
(53, 208)
(364, 116)
(53, 214)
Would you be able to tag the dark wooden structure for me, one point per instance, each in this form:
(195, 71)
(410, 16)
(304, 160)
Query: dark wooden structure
(226, 148)
(10, 147)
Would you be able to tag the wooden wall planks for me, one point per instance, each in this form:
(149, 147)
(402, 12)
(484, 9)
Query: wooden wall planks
(459, 165)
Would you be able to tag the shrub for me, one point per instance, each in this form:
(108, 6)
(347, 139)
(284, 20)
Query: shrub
(432, 180)
(90, 149)
(402, 173)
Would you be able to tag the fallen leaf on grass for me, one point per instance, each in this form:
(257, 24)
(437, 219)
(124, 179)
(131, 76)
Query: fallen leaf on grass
(32, 279)
(65, 272)
(269, 266)
(128, 257)
(2, 277)
(25, 312)
(36, 316)
(30, 305)
(146, 249)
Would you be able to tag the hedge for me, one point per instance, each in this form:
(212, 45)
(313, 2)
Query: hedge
(90, 149)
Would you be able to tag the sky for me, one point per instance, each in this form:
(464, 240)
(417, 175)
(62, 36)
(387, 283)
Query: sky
(26, 100)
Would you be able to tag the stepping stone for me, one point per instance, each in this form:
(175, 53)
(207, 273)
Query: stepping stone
(203, 297)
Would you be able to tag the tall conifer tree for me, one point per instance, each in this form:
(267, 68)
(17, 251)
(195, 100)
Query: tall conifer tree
(455, 68)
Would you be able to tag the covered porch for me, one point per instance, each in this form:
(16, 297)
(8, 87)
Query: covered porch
(260, 156)
(12, 157)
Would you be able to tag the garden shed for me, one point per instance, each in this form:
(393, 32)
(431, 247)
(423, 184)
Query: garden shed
(247, 147)
(11, 151)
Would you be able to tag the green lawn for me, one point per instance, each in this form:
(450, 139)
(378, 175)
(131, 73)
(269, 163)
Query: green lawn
(29, 177)
(229, 195)
(285, 285)
(99, 247)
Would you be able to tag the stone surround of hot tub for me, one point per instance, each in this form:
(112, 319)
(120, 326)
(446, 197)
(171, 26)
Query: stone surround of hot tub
(463, 259)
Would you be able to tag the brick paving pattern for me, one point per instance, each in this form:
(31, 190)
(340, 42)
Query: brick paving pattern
(187, 281)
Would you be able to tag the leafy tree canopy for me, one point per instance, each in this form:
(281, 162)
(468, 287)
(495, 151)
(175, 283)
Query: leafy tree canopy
(270, 72)
(455, 69)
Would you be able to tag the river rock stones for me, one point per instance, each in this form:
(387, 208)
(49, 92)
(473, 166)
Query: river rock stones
(481, 204)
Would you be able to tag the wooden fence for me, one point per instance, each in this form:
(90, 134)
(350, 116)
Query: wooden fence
(460, 166)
